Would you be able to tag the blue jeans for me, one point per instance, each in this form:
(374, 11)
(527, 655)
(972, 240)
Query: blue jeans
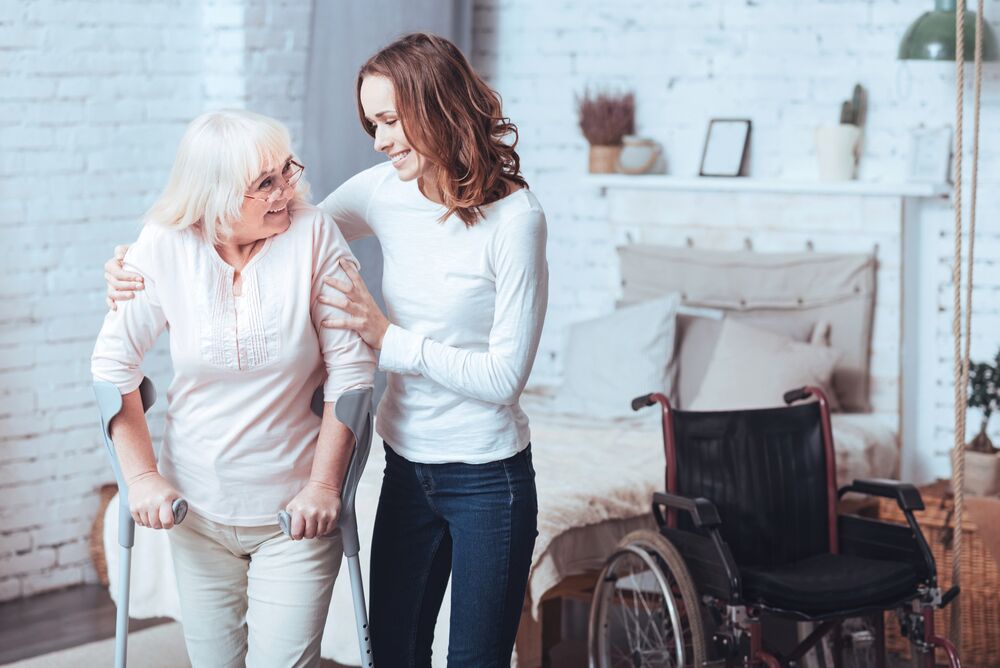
(474, 521)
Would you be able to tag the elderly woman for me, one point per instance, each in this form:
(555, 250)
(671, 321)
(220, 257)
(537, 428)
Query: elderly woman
(232, 260)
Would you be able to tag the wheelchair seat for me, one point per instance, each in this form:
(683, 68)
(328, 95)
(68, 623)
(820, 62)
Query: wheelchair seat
(830, 583)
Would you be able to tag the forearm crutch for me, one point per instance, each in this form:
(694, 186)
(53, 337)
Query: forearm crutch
(353, 409)
(109, 402)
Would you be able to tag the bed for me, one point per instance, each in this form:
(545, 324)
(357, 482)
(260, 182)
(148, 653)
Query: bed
(595, 477)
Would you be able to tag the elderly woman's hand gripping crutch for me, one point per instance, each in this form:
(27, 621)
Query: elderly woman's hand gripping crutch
(354, 410)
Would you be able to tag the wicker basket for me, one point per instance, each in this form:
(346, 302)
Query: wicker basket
(980, 597)
(107, 492)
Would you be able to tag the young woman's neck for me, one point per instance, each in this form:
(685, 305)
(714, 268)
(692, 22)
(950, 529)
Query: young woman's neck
(428, 186)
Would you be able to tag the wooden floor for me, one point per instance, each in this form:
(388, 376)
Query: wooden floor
(66, 618)
(57, 620)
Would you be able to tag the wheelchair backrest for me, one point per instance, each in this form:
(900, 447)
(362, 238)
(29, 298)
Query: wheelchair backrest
(766, 472)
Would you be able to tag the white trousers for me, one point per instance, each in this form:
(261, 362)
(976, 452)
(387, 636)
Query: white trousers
(251, 596)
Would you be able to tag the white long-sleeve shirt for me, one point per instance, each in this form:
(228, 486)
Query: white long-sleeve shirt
(467, 307)
(240, 434)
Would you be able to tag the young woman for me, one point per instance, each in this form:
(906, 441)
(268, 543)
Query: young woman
(232, 260)
(465, 284)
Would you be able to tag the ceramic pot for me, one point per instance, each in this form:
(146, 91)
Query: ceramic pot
(837, 148)
(640, 155)
(982, 473)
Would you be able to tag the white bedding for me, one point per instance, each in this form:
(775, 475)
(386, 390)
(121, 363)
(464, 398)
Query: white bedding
(595, 480)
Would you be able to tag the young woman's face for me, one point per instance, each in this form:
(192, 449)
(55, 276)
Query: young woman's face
(378, 99)
(265, 208)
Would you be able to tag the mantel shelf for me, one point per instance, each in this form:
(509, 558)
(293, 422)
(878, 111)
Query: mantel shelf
(753, 185)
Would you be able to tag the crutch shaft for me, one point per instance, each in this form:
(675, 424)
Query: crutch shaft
(360, 612)
(121, 619)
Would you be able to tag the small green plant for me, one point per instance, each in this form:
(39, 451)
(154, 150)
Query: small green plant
(852, 112)
(984, 393)
(605, 118)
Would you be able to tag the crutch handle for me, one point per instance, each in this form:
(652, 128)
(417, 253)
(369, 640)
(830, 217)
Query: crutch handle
(180, 508)
(285, 522)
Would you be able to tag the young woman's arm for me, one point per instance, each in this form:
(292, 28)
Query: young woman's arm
(124, 339)
(348, 205)
(497, 375)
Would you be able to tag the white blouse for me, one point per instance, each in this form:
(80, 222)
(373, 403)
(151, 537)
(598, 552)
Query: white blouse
(240, 434)
(467, 306)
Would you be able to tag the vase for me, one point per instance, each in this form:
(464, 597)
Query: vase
(837, 148)
(604, 159)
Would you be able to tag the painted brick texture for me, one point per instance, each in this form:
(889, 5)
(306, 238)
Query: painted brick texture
(94, 97)
(787, 64)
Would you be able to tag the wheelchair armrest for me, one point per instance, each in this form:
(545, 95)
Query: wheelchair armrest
(906, 495)
(701, 510)
(714, 554)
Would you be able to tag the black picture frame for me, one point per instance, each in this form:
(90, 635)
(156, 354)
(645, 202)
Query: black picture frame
(726, 147)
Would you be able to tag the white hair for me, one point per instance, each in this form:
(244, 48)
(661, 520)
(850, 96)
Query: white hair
(221, 154)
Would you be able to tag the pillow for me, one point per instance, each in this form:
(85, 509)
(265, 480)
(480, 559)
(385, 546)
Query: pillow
(753, 368)
(613, 359)
(698, 333)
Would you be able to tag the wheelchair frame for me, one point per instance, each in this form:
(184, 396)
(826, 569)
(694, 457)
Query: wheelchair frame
(716, 576)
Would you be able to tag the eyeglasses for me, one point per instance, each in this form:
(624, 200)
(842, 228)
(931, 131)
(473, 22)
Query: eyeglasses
(269, 190)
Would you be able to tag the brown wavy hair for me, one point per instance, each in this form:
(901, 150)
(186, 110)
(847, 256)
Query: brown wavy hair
(452, 118)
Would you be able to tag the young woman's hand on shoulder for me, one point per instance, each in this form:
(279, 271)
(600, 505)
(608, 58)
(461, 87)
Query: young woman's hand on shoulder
(362, 313)
(121, 284)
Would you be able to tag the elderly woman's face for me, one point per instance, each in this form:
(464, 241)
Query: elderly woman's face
(265, 205)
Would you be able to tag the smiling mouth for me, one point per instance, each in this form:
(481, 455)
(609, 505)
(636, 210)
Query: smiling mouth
(279, 209)
(397, 158)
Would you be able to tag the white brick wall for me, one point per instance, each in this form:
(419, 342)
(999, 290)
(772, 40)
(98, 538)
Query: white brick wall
(94, 97)
(787, 64)
(95, 94)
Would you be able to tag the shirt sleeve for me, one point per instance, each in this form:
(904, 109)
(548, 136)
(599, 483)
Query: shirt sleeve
(350, 362)
(499, 374)
(348, 205)
(127, 334)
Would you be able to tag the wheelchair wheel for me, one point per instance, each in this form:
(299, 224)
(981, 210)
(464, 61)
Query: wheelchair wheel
(645, 611)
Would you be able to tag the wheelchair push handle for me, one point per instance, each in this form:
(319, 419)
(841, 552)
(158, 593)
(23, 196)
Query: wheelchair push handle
(799, 394)
(641, 402)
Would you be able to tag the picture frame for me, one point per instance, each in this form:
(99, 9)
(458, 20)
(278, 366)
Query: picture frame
(930, 154)
(726, 143)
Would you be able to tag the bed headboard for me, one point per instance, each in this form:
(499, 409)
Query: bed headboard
(795, 289)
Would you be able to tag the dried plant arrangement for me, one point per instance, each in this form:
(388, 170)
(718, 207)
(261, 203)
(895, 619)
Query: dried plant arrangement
(605, 118)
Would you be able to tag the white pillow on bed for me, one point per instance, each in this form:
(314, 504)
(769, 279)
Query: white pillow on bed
(753, 368)
(613, 359)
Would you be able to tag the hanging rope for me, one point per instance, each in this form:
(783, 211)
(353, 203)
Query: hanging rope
(962, 355)
(958, 444)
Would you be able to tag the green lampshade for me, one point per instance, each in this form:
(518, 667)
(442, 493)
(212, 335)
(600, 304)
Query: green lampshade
(932, 36)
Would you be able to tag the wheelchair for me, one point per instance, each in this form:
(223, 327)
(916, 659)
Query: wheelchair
(748, 531)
